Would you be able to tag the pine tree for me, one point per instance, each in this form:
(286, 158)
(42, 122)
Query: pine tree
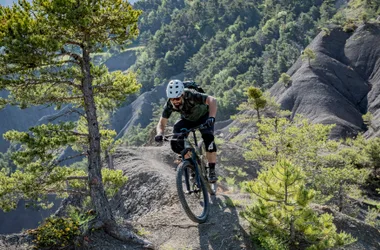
(285, 79)
(309, 55)
(257, 100)
(280, 217)
(297, 140)
(329, 165)
(46, 49)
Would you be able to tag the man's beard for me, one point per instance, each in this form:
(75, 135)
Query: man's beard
(179, 106)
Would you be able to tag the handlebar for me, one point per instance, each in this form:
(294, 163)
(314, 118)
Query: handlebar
(184, 132)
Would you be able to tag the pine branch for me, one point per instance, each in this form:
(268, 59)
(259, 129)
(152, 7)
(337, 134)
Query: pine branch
(55, 163)
(67, 112)
(268, 185)
(75, 43)
(267, 199)
(76, 133)
(274, 175)
(78, 58)
(67, 158)
(258, 228)
(62, 99)
(298, 178)
(28, 82)
(71, 191)
(69, 178)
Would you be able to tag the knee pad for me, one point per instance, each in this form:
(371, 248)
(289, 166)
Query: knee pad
(209, 142)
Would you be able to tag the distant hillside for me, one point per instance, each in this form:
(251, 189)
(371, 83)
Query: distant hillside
(20, 119)
(138, 112)
(123, 60)
(226, 45)
(341, 84)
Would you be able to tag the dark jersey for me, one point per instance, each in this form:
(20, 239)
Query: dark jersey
(193, 107)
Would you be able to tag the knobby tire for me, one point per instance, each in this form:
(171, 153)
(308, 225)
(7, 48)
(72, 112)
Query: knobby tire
(183, 196)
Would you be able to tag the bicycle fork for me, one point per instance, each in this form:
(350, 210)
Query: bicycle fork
(192, 186)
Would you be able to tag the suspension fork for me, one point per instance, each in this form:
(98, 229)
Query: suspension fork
(193, 162)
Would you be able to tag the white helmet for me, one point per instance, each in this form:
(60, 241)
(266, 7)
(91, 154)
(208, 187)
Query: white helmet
(174, 89)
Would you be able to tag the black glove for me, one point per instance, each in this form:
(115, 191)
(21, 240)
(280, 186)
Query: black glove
(158, 138)
(210, 121)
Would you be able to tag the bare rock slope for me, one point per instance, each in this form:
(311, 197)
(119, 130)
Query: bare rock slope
(138, 112)
(20, 119)
(122, 61)
(341, 84)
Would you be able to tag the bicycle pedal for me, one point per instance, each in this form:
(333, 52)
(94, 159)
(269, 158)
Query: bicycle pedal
(212, 180)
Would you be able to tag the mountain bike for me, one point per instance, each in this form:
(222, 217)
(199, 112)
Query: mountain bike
(192, 176)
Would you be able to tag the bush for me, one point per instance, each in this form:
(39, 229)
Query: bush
(349, 26)
(56, 232)
(280, 217)
(60, 232)
(285, 79)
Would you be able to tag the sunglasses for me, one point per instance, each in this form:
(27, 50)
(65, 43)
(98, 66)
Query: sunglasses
(175, 99)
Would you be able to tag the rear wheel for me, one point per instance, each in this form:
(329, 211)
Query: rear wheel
(193, 198)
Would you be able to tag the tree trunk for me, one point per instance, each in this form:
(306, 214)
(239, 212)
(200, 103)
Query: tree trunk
(109, 160)
(292, 240)
(341, 195)
(258, 115)
(97, 193)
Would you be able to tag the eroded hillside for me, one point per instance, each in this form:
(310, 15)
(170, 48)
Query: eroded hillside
(341, 84)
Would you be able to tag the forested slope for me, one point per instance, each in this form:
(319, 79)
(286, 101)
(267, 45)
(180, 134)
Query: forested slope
(226, 45)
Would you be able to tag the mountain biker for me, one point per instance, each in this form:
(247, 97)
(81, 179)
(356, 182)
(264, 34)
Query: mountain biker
(195, 109)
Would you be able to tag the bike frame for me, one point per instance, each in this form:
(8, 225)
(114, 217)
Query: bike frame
(193, 159)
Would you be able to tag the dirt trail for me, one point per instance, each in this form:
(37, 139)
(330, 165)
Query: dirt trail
(163, 221)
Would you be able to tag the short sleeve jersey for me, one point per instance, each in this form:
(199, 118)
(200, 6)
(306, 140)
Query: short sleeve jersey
(194, 106)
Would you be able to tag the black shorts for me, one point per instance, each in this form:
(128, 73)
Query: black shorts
(183, 123)
(207, 133)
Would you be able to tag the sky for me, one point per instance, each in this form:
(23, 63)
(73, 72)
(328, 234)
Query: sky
(9, 2)
(6, 2)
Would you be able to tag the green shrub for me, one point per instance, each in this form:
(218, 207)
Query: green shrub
(372, 217)
(56, 232)
(367, 119)
(349, 26)
(285, 79)
(281, 218)
(60, 232)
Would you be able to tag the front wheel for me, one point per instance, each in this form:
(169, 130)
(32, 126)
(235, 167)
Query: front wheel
(193, 197)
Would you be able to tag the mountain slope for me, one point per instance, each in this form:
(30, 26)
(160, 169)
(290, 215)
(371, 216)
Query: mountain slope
(122, 61)
(341, 84)
(138, 112)
(20, 119)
